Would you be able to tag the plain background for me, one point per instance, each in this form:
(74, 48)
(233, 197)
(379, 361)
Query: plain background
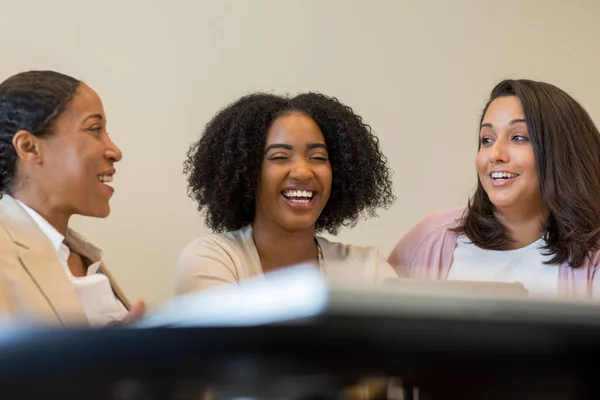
(419, 73)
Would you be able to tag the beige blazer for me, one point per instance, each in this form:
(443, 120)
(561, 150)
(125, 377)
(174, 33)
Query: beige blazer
(33, 283)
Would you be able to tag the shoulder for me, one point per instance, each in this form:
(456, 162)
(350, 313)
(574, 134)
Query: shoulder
(16, 229)
(15, 224)
(18, 226)
(5, 236)
(437, 222)
(353, 263)
(230, 250)
(442, 219)
(218, 242)
(342, 251)
(9, 250)
(431, 231)
(215, 259)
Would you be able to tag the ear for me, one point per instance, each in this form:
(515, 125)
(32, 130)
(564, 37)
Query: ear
(27, 147)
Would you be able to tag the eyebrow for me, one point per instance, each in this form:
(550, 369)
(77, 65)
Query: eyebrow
(513, 122)
(309, 146)
(96, 116)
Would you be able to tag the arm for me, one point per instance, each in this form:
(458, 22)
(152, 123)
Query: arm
(401, 256)
(5, 307)
(594, 291)
(204, 264)
(424, 250)
(6, 259)
(384, 271)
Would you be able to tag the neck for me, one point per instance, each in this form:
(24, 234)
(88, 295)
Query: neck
(524, 226)
(42, 204)
(278, 248)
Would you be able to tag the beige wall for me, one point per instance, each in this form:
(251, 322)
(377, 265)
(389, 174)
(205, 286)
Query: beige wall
(418, 71)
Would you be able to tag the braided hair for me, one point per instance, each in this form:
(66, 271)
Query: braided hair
(29, 101)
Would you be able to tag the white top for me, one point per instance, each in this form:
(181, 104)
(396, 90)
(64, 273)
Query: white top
(99, 302)
(232, 257)
(524, 265)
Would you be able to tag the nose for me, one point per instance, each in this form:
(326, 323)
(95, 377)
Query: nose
(301, 170)
(498, 152)
(112, 153)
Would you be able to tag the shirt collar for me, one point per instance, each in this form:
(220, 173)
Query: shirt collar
(55, 237)
(74, 240)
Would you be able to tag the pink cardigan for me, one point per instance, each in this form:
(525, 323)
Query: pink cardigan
(426, 252)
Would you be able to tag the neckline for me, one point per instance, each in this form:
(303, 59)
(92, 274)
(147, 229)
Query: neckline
(533, 245)
(320, 256)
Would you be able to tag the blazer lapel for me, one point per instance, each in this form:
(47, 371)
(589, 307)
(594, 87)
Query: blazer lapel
(115, 286)
(84, 247)
(39, 259)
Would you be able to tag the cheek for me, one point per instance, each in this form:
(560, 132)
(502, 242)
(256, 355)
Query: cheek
(531, 166)
(481, 162)
(61, 166)
(69, 159)
(270, 179)
(325, 177)
(526, 161)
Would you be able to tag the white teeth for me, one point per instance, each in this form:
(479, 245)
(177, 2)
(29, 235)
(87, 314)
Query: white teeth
(304, 194)
(503, 175)
(105, 178)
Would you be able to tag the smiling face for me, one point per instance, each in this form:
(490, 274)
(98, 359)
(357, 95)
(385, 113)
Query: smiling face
(506, 162)
(295, 176)
(75, 167)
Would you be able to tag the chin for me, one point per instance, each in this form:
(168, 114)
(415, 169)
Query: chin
(97, 212)
(502, 202)
(296, 226)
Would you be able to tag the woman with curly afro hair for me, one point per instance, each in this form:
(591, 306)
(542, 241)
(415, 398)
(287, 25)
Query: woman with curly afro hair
(269, 173)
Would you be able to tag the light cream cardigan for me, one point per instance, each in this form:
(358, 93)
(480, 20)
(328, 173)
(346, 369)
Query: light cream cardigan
(227, 258)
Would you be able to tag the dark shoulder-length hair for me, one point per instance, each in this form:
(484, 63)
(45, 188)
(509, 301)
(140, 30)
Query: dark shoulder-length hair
(566, 146)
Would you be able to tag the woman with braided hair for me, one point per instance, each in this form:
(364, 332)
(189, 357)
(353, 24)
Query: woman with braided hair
(56, 160)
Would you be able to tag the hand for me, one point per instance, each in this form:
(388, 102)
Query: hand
(136, 312)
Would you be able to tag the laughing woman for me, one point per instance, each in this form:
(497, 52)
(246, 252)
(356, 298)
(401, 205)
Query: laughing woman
(271, 172)
(535, 216)
(56, 160)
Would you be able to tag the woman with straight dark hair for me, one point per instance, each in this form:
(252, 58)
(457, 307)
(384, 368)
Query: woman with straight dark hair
(535, 215)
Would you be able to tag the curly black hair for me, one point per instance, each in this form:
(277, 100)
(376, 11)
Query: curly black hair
(30, 101)
(223, 166)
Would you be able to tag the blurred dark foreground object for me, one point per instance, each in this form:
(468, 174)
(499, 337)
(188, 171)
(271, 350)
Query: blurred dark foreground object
(441, 346)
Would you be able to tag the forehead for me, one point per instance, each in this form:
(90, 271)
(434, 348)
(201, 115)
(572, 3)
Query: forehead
(504, 108)
(86, 102)
(294, 128)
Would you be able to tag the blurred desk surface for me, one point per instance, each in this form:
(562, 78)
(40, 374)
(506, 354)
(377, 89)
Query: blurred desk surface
(448, 347)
